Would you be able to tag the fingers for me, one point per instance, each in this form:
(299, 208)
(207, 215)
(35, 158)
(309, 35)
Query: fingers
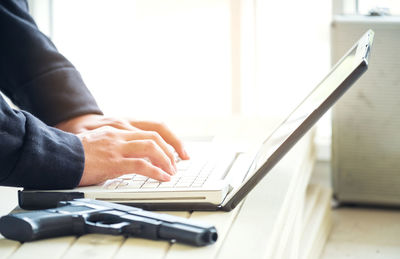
(92, 122)
(165, 133)
(142, 167)
(151, 150)
(154, 136)
(113, 147)
(109, 154)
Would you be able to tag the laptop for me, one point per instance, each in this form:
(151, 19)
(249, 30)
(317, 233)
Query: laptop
(220, 181)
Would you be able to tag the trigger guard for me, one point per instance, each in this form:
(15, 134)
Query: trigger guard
(111, 229)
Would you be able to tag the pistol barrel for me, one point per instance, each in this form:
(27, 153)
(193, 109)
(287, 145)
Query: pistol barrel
(188, 234)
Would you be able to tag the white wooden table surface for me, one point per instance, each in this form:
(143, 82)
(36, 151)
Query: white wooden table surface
(360, 232)
(249, 231)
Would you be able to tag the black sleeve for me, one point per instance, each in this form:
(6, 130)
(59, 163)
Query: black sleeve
(41, 81)
(33, 74)
(36, 156)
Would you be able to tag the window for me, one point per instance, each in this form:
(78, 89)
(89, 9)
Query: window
(363, 7)
(393, 6)
(149, 57)
(198, 57)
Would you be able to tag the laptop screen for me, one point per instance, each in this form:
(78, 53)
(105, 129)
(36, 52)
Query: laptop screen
(320, 100)
(346, 66)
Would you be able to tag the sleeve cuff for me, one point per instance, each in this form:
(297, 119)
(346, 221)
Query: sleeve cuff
(49, 158)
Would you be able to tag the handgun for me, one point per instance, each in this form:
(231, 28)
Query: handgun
(83, 216)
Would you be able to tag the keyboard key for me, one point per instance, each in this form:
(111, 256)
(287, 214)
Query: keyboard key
(175, 178)
(187, 178)
(188, 173)
(126, 176)
(201, 178)
(209, 167)
(112, 184)
(140, 177)
(197, 183)
(183, 184)
(167, 185)
(183, 165)
(124, 183)
(132, 185)
(204, 173)
(152, 181)
(150, 185)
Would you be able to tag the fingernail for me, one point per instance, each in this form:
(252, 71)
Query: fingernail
(174, 165)
(185, 154)
(173, 170)
(166, 177)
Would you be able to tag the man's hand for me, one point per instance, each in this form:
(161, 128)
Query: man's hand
(114, 147)
(111, 152)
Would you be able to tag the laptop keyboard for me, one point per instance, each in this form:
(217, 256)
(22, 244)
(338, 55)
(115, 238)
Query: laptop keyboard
(193, 173)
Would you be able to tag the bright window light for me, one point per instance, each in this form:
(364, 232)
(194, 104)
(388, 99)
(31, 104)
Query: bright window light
(170, 57)
(149, 57)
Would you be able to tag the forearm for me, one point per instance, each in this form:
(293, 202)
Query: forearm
(34, 74)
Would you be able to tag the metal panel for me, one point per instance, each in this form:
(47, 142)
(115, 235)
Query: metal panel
(366, 121)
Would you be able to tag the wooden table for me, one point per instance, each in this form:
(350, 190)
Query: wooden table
(262, 226)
